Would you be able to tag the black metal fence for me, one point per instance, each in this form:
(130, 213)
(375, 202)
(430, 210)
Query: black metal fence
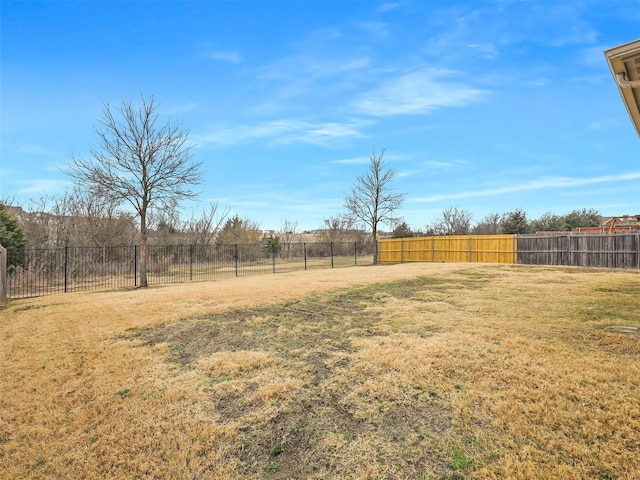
(38, 272)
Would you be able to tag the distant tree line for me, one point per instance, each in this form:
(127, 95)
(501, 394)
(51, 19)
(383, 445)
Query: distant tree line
(454, 221)
(79, 219)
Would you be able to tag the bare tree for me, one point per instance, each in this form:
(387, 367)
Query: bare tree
(336, 228)
(238, 230)
(372, 201)
(287, 235)
(167, 228)
(83, 219)
(452, 222)
(489, 225)
(139, 162)
(202, 229)
(40, 225)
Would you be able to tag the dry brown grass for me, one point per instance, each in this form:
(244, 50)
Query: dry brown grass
(420, 371)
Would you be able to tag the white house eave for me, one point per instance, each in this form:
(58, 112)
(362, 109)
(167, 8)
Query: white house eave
(624, 62)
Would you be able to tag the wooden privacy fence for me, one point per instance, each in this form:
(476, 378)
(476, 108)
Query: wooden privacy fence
(449, 248)
(612, 250)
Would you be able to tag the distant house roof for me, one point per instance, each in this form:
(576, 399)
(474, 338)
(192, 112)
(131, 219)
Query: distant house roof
(625, 223)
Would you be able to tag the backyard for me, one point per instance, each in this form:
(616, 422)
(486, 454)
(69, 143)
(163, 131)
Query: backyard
(413, 371)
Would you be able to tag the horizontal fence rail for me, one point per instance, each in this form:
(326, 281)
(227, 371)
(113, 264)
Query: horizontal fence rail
(608, 250)
(614, 250)
(449, 248)
(38, 272)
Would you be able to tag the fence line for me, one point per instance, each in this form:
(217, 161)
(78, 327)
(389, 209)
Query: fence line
(604, 250)
(612, 250)
(38, 272)
(449, 248)
(3, 274)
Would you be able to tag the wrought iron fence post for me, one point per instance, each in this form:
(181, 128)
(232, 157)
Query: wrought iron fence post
(135, 265)
(190, 262)
(355, 253)
(331, 250)
(273, 259)
(3, 274)
(66, 267)
(236, 257)
(304, 245)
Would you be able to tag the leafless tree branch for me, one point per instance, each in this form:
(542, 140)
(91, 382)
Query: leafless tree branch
(140, 162)
(372, 201)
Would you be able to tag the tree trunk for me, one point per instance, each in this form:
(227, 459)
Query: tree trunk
(143, 249)
(375, 246)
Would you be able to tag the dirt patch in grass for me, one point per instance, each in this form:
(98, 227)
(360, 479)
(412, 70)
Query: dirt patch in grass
(421, 371)
(298, 379)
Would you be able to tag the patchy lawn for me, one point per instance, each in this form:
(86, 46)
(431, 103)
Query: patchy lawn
(419, 371)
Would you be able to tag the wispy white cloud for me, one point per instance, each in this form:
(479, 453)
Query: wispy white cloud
(31, 149)
(471, 33)
(280, 132)
(225, 56)
(309, 80)
(418, 93)
(388, 6)
(485, 50)
(444, 163)
(308, 67)
(375, 28)
(352, 161)
(338, 67)
(592, 56)
(604, 124)
(366, 159)
(540, 184)
(178, 109)
(42, 185)
(430, 167)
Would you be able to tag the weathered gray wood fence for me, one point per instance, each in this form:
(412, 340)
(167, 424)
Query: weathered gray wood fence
(613, 250)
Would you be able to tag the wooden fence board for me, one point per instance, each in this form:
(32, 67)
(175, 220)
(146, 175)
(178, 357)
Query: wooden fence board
(450, 248)
(611, 250)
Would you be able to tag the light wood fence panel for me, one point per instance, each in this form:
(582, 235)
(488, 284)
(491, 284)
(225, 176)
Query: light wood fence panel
(494, 248)
(450, 248)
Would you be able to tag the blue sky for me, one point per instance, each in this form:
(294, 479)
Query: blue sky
(486, 106)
